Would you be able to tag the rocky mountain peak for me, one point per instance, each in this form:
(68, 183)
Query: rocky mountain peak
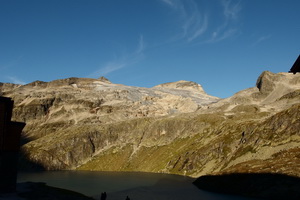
(37, 84)
(273, 92)
(183, 85)
(103, 79)
(269, 82)
(266, 82)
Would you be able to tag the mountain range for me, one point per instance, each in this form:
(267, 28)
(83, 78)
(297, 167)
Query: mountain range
(93, 124)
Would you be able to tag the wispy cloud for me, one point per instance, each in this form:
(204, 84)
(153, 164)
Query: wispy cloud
(227, 29)
(11, 63)
(194, 23)
(261, 39)
(231, 9)
(122, 61)
(199, 29)
(169, 2)
(16, 80)
(201, 25)
(141, 46)
(221, 35)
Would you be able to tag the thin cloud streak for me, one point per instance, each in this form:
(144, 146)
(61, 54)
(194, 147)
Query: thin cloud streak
(217, 37)
(227, 29)
(123, 61)
(11, 63)
(261, 39)
(108, 68)
(141, 45)
(169, 2)
(201, 29)
(231, 11)
(15, 80)
(193, 22)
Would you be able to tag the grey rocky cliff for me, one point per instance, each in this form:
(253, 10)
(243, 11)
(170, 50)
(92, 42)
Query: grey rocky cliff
(47, 107)
(268, 95)
(185, 85)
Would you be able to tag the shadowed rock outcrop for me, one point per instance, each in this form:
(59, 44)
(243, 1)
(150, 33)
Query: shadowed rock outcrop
(296, 66)
(258, 185)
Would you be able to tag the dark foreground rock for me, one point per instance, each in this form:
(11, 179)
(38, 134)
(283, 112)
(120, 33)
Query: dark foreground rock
(41, 191)
(264, 185)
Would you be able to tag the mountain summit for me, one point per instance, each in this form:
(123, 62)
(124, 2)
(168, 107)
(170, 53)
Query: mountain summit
(103, 79)
(184, 85)
(81, 99)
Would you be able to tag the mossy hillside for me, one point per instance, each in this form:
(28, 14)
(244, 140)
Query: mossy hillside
(271, 145)
(186, 155)
(224, 145)
(130, 158)
(284, 162)
(113, 159)
(181, 144)
(68, 148)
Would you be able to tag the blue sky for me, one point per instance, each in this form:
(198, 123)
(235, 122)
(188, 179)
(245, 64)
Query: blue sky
(224, 45)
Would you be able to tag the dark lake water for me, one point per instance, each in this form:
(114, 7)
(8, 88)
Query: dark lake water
(117, 185)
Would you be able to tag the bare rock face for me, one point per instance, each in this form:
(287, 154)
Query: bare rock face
(185, 85)
(103, 79)
(270, 94)
(73, 101)
(8, 87)
(93, 124)
(266, 82)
